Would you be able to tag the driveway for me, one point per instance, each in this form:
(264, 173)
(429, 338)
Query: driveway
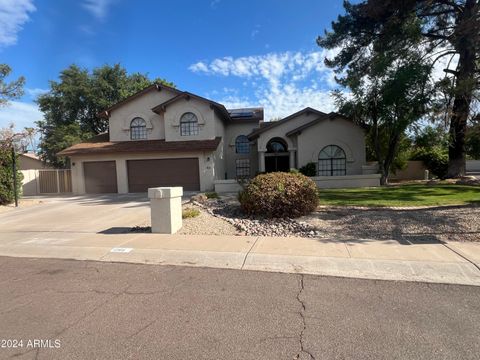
(78, 214)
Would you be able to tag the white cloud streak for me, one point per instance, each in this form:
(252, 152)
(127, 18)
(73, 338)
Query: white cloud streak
(98, 8)
(21, 114)
(282, 83)
(13, 15)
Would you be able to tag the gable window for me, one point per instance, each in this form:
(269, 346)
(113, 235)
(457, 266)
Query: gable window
(242, 168)
(188, 124)
(242, 145)
(332, 161)
(138, 129)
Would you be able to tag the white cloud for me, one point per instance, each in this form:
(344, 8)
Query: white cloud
(214, 3)
(98, 8)
(21, 114)
(282, 83)
(13, 15)
(35, 92)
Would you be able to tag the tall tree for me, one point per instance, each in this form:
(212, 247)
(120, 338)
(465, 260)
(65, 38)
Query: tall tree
(439, 28)
(71, 106)
(9, 90)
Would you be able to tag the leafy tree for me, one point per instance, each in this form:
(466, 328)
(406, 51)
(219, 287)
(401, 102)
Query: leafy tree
(386, 98)
(473, 138)
(9, 90)
(438, 28)
(71, 106)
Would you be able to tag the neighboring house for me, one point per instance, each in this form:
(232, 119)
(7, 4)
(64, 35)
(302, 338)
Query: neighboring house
(30, 161)
(165, 137)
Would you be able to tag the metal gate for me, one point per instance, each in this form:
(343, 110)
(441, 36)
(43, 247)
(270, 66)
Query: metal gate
(47, 181)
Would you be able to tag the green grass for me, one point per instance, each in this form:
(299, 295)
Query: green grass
(402, 195)
(190, 213)
(211, 195)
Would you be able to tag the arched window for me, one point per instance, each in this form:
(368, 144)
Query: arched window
(332, 161)
(188, 124)
(277, 145)
(242, 145)
(138, 129)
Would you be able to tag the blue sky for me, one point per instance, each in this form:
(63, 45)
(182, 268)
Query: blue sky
(240, 53)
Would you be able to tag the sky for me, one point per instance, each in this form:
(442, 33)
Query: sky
(238, 52)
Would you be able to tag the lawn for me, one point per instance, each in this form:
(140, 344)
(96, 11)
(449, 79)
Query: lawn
(402, 195)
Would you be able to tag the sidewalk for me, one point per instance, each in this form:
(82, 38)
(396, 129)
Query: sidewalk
(455, 263)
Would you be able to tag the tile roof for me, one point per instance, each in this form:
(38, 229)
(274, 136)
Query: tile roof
(101, 145)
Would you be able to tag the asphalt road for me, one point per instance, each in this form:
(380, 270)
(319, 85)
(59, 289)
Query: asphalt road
(124, 311)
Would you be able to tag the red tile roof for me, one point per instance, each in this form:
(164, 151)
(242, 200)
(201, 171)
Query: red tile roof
(96, 146)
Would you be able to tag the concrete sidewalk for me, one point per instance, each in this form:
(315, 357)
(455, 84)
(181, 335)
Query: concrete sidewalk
(455, 263)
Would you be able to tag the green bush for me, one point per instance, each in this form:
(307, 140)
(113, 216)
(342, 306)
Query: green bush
(435, 159)
(7, 195)
(190, 213)
(309, 170)
(279, 195)
(211, 195)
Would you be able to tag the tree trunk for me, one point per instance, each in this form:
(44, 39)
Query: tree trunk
(465, 36)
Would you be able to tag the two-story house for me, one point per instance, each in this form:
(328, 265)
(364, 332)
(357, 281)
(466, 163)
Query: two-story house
(162, 136)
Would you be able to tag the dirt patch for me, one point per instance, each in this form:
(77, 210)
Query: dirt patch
(22, 203)
(453, 223)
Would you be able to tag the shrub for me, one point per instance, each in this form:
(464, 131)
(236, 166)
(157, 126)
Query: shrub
(211, 195)
(435, 159)
(6, 177)
(279, 194)
(190, 213)
(309, 170)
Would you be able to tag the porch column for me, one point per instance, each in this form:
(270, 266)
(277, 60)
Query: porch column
(292, 159)
(261, 161)
(122, 176)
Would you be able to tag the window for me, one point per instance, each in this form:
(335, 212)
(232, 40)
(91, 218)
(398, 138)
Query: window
(277, 145)
(243, 168)
(332, 161)
(188, 124)
(242, 145)
(138, 129)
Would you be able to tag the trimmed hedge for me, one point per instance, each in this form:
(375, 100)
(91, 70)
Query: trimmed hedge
(279, 195)
(6, 177)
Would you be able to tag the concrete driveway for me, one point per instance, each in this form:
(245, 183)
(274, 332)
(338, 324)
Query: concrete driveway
(78, 214)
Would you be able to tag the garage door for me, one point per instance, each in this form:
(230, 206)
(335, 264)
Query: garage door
(100, 177)
(144, 174)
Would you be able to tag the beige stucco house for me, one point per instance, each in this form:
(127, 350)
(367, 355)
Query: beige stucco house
(162, 136)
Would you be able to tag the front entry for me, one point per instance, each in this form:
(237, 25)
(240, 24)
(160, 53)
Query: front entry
(277, 157)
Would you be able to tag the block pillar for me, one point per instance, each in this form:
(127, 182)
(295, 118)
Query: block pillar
(261, 161)
(166, 209)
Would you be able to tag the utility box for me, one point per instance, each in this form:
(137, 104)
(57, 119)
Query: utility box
(166, 209)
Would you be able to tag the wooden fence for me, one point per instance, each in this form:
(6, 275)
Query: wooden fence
(47, 181)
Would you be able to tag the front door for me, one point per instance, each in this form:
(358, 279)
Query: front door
(277, 163)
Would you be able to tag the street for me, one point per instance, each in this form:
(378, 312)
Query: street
(99, 310)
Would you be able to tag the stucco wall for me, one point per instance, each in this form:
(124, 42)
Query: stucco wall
(205, 116)
(349, 181)
(340, 132)
(27, 163)
(231, 133)
(206, 168)
(141, 106)
(282, 129)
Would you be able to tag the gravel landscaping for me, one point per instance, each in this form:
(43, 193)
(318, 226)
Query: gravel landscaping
(408, 225)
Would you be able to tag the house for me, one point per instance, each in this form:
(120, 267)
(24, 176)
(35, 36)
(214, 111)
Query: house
(162, 136)
(30, 161)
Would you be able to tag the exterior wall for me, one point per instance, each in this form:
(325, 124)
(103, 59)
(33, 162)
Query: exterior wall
(415, 170)
(119, 122)
(219, 154)
(205, 115)
(227, 186)
(281, 130)
(349, 181)
(340, 132)
(27, 163)
(232, 131)
(206, 168)
(29, 182)
(473, 166)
